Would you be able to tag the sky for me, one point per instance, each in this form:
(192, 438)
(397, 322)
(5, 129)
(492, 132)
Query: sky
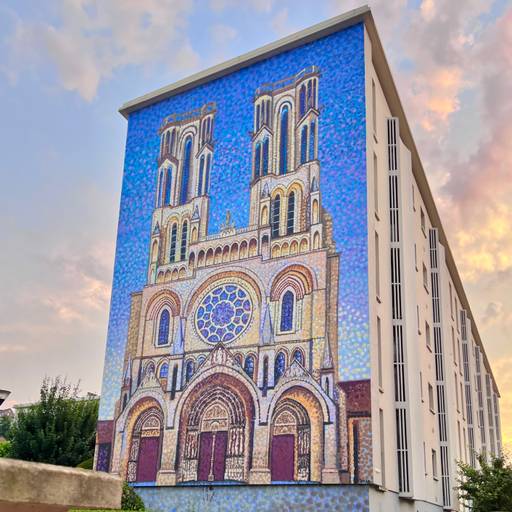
(66, 66)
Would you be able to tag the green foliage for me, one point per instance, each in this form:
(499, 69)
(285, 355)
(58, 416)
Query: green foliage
(58, 430)
(488, 488)
(5, 426)
(5, 449)
(86, 464)
(131, 500)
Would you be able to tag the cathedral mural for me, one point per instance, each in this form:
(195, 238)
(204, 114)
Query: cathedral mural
(231, 365)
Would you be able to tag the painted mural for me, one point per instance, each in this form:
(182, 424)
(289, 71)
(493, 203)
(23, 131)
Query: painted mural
(233, 367)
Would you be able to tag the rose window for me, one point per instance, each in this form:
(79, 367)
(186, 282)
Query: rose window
(223, 314)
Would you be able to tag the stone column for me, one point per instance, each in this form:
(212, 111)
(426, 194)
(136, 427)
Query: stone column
(330, 473)
(260, 471)
(167, 474)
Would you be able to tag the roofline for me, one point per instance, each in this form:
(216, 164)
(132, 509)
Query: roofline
(300, 38)
(383, 71)
(380, 63)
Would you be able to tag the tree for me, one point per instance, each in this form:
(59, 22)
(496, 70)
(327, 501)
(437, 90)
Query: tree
(59, 429)
(5, 426)
(488, 488)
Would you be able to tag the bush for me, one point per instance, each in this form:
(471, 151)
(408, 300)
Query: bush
(131, 500)
(5, 449)
(86, 464)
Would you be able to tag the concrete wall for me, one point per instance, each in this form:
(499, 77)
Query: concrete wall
(30, 486)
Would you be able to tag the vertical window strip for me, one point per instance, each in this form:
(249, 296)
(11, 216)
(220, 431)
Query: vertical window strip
(184, 239)
(185, 175)
(290, 220)
(283, 141)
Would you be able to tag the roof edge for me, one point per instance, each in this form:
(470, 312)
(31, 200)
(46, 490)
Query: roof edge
(300, 38)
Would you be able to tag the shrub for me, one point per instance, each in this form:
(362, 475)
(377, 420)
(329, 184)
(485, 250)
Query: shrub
(131, 500)
(5, 449)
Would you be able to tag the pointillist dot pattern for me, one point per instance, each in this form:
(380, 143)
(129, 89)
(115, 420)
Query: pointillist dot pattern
(250, 352)
(223, 314)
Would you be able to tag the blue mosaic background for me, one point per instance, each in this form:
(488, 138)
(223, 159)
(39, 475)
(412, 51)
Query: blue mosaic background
(341, 151)
(274, 498)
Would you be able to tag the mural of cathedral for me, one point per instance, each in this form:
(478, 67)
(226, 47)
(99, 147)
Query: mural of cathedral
(230, 369)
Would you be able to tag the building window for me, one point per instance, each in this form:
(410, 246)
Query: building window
(304, 144)
(375, 185)
(456, 391)
(200, 180)
(413, 198)
(377, 266)
(283, 141)
(185, 174)
(422, 217)
(150, 368)
(421, 387)
(374, 108)
(265, 156)
(160, 187)
(207, 174)
(168, 185)
(431, 404)
(174, 235)
(302, 101)
(287, 305)
(290, 218)
(415, 257)
(249, 366)
(189, 370)
(434, 464)
(279, 367)
(163, 328)
(297, 356)
(164, 371)
(427, 335)
(425, 277)
(257, 160)
(258, 108)
(418, 323)
(312, 141)
(265, 376)
(275, 216)
(184, 238)
(379, 352)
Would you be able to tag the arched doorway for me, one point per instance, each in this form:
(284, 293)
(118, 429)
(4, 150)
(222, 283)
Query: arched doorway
(290, 447)
(215, 432)
(144, 455)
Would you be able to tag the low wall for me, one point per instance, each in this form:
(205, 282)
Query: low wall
(31, 487)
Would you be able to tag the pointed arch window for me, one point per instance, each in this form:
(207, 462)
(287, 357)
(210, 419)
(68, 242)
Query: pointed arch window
(160, 188)
(167, 143)
(207, 173)
(302, 101)
(257, 160)
(174, 235)
(189, 371)
(201, 171)
(283, 142)
(174, 381)
(258, 109)
(249, 366)
(265, 375)
(313, 95)
(266, 147)
(185, 175)
(290, 214)
(172, 142)
(287, 306)
(297, 356)
(279, 367)
(150, 368)
(163, 328)
(309, 99)
(312, 141)
(304, 144)
(164, 371)
(275, 216)
(184, 239)
(168, 185)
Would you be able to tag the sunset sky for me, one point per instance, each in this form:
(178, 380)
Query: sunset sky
(67, 65)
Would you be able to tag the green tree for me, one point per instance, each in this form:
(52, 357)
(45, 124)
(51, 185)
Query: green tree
(488, 488)
(59, 429)
(5, 426)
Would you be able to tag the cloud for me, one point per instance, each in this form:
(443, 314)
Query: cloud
(263, 6)
(222, 34)
(93, 39)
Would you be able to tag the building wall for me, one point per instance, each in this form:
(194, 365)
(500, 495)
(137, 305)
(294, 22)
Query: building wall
(460, 379)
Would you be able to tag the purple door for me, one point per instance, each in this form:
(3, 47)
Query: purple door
(212, 455)
(147, 465)
(282, 458)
